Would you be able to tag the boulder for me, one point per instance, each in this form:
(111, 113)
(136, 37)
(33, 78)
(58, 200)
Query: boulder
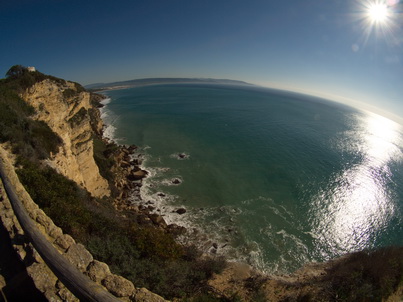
(181, 211)
(176, 181)
(118, 285)
(140, 174)
(144, 295)
(79, 256)
(64, 241)
(176, 230)
(158, 220)
(45, 280)
(97, 271)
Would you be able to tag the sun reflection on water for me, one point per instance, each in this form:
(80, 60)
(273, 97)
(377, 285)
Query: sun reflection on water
(357, 205)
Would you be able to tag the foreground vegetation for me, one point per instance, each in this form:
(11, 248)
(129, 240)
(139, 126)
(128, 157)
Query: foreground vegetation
(146, 255)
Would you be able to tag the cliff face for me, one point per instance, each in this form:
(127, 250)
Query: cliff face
(66, 109)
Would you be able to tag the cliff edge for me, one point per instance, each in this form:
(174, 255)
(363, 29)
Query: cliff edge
(64, 107)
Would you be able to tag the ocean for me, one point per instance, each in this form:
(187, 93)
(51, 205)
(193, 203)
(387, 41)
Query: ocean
(273, 178)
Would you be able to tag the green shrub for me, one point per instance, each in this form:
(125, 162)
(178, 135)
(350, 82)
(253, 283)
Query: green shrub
(28, 137)
(145, 255)
(79, 117)
(68, 93)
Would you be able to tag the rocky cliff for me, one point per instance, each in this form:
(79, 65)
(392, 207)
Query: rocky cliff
(66, 108)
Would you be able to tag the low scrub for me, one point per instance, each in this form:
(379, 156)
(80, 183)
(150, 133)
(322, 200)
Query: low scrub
(366, 275)
(147, 256)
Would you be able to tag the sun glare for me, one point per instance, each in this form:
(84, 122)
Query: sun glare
(378, 18)
(377, 12)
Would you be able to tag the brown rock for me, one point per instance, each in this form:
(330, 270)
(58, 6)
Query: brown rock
(158, 220)
(137, 175)
(97, 271)
(66, 295)
(176, 230)
(79, 256)
(118, 285)
(64, 241)
(45, 280)
(144, 295)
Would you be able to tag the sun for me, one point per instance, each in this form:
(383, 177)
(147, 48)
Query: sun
(377, 13)
(378, 20)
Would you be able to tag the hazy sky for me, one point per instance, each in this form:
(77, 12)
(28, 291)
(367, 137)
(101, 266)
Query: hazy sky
(328, 47)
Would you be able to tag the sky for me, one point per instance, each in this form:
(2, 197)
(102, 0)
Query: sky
(339, 49)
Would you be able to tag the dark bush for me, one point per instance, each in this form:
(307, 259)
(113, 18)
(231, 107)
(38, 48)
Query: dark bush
(366, 275)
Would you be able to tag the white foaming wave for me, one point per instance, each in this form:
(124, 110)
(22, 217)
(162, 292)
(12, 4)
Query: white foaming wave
(109, 119)
(213, 230)
(166, 205)
(180, 155)
(105, 101)
(109, 132)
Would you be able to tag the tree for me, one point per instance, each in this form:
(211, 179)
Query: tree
(16, 71)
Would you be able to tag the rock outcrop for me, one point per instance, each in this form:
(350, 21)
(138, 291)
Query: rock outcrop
(67, 110)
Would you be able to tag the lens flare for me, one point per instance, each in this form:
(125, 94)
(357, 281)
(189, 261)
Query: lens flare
(378, 12)
(379, 19)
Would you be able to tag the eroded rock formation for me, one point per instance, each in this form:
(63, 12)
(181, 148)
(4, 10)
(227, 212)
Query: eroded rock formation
(67, 110)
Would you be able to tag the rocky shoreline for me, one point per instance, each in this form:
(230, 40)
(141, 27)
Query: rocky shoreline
(128, 179)
(128, 176)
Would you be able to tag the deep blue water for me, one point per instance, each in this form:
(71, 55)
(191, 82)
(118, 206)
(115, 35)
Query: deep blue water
(274, 178)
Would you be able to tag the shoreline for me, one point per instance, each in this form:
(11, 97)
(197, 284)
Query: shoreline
(156, 206)
(240, 277)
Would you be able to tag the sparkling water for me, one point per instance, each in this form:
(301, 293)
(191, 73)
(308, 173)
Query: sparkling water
(274, 178)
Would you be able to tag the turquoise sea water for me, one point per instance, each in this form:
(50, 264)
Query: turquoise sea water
(274, 178)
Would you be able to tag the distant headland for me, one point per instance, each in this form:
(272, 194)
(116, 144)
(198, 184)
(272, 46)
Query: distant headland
(154, 81)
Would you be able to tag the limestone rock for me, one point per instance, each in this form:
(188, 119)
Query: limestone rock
(64, 241)
(144, 295)
(79, 256)
(66, 295)
(43, 277)
(118, 285)
(97, 271)
(68, 115)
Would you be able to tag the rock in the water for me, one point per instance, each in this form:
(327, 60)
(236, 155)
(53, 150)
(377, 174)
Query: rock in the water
(137, 175)
(182, 156)
(176, 181)
(181, 211)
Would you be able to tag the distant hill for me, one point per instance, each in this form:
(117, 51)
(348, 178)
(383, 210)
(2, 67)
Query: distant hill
(152, 81)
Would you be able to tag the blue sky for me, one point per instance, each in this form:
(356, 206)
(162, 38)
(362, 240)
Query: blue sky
(327, 48)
